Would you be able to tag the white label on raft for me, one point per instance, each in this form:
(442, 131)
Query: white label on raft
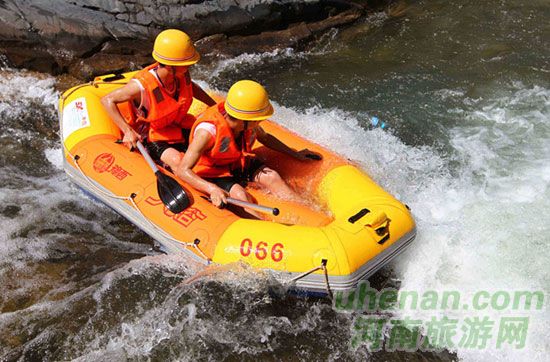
(75, 117)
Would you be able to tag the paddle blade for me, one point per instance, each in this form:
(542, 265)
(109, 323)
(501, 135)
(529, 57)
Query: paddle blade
(172, 194)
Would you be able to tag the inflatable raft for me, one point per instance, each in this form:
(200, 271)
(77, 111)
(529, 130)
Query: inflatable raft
(350, 228)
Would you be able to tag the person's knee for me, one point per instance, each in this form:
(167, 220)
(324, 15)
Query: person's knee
(270, 177)
(238, 192)
(172, 158)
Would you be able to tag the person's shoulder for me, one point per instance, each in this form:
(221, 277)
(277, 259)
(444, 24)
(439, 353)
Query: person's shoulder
(131, 88)
(205, 131)
(136, 83)
(207, 126)
(202, 138)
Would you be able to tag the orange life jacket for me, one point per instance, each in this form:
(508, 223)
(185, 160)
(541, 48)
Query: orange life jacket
(167, 114)
(226, 154)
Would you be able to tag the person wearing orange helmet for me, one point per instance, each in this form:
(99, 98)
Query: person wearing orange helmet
(218, 161)
(153, 106)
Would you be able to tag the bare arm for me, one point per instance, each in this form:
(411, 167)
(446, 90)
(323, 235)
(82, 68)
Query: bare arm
(274, 143)
(129, 92)
(202, 141)
(201, 95)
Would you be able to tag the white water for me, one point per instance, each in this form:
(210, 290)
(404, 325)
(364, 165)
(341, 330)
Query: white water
(481, 208)
(485, 226)
(482, 226)
(20, 90)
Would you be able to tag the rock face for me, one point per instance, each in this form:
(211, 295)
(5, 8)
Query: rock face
(91, 37)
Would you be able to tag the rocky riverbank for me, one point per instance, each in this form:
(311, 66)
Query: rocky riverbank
(85, 38)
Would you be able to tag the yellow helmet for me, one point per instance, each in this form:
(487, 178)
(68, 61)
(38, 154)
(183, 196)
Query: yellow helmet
(248, 100)
(174, 47)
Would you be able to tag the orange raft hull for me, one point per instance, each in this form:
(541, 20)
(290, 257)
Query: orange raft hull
(350, 228)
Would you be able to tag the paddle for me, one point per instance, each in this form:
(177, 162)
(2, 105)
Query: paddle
(249, 205)
(170, 191)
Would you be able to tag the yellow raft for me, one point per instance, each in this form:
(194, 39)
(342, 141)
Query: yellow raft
(351, 229)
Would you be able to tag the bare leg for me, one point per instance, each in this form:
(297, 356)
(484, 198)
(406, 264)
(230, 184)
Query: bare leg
(272, 181)
(172, 158)
(239, 193)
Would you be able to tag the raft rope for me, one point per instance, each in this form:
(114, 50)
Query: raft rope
(322, 267)
(130, 199)
(93, 83)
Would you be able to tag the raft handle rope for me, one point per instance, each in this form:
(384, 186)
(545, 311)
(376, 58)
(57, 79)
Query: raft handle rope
(194, 245)
(116, 76)
(93, 83)
(322, 267)
(76, 158)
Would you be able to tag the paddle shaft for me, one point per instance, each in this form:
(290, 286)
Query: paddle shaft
(260, 208)
(148, 158)
(249, 205)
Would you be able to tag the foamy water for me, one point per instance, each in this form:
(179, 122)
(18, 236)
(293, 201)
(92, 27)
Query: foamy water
(485, 225)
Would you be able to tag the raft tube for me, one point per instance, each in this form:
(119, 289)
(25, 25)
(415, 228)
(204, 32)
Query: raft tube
(352, 229)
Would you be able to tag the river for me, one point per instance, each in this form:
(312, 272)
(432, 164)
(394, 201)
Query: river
(463, 87)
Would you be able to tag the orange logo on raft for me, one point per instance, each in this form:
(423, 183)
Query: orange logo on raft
(184, 218)
(104, 163)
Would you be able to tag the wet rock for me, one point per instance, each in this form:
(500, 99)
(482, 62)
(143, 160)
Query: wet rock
(266, 41)
(103, 63)
(11, 211)
(31, 56)
(91, 37)
(66, 81)
(63, 29)
(294, 36)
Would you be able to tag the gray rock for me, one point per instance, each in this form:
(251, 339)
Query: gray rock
(143, 18)
(123, 17)
(103, 63)
(83, 36)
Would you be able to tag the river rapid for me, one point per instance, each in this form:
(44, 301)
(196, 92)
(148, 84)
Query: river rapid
(464, 89)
